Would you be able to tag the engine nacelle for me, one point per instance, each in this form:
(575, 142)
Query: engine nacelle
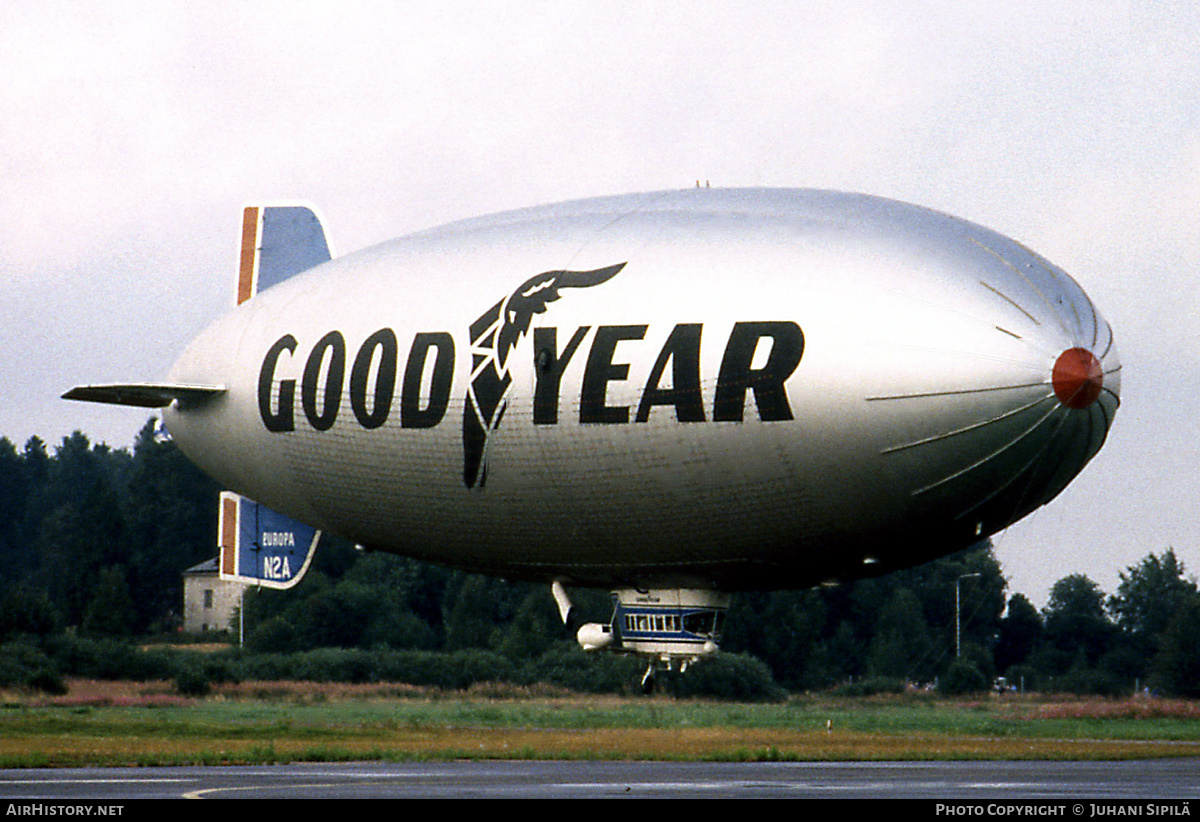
(594, 636)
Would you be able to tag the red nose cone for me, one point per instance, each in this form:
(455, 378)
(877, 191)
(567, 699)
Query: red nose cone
(1077, 378)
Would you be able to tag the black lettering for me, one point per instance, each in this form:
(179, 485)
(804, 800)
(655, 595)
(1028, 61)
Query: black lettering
(549, 366)
(385, 378)
(601, 370)
(412, 415)
(335, 345)
(682, 350)
(281, 420)
(322, 382)
(767, 383)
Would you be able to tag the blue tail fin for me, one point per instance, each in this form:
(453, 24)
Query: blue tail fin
(260, 546)
(257, 545)
(278, 242)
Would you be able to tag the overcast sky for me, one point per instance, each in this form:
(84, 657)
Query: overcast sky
(132, 133)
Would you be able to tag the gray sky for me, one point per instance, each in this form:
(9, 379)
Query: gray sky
(132, 133)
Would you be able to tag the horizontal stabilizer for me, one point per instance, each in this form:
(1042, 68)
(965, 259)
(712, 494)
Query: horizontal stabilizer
(260, 546)
(144, 394)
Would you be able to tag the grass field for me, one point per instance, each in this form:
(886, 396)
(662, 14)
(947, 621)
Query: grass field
(117, 723)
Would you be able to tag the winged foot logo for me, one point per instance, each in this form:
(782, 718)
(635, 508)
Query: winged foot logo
(493, 337)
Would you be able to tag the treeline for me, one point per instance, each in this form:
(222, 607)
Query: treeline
(901, 628)
(93, 542)
(95, 539)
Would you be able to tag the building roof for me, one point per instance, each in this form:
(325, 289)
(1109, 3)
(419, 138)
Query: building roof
(207, 567)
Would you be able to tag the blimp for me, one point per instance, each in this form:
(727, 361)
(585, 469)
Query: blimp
(674, 396)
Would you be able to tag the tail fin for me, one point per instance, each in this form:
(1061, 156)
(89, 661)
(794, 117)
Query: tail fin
(277, 243)
(258, 545)
(261, 546)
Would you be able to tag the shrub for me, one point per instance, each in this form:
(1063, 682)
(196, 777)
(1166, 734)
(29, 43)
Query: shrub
(412, 667)
(266, 667)
(738, 677)
(334, 665)
(110, 659)
(1089, 681)
(451, 671)
(192, 681)
(593, 673)
(26, 665)
(963, 677)
(274, 635)
(471, 666)
(1023, 677)
(870, 686)
(48, 681)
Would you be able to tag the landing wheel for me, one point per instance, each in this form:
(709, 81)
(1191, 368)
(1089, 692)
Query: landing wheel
(648, 680)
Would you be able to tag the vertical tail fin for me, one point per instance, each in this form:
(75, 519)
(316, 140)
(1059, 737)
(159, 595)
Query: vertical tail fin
(260, 546)
(278, 242)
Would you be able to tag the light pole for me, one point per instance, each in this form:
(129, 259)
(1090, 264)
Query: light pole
(957, 611)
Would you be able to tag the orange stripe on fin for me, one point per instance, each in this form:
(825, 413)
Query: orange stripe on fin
(229, 529)
(249, 256)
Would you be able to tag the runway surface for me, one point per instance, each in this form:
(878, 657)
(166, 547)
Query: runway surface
(1144, 781)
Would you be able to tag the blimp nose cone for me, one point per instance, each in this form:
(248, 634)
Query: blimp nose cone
(1078, 378)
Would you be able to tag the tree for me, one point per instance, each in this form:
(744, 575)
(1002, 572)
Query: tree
(819, 637)
(536, 627)
(475, 607)
(1147, 598)
(1077, 629)
(963, 677)
(169, 508)
(901, 646)
(13, 493)
(24, 612)
(1020, 633)
(82, 530)
(337, 617)
(1177, 665)
(111, 612)
(785, 629)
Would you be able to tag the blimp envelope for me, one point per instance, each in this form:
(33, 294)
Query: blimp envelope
(261, 546)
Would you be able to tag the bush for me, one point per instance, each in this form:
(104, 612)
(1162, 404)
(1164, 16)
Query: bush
(334, 665)
(870, 686)
(739, 677)
(274, 635)
(192, 681)
(25, 665)
(471, 666)
(413, 667)
(27, 613)
(48, 681)
(963, 677)
(451, 671)
(1023, 677)
(266, 667)
(110, 659)
(1089, 681)
(590, 673)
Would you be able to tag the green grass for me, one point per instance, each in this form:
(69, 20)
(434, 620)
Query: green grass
(305, 722)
